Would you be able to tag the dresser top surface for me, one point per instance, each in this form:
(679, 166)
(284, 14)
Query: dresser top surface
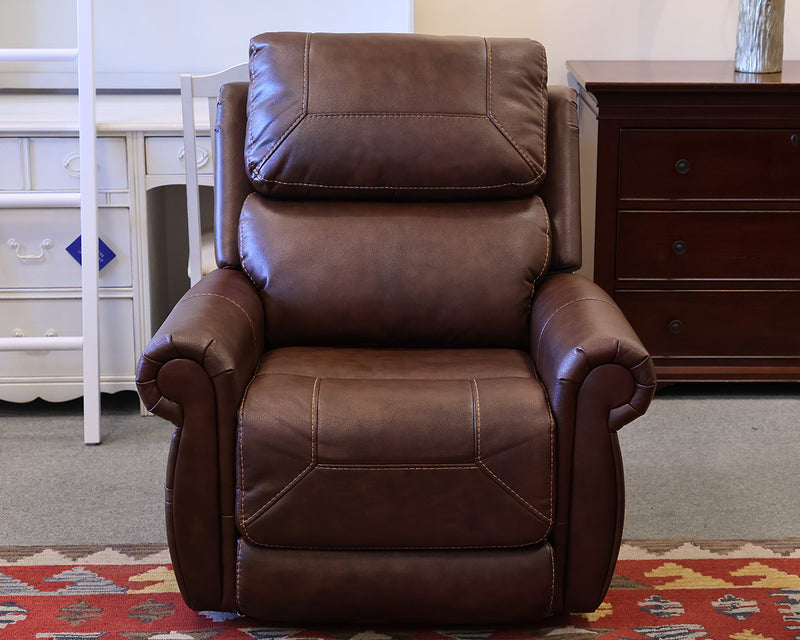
(114, 113)
(664, 75)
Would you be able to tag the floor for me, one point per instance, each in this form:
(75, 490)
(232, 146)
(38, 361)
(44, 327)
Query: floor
(715, 461)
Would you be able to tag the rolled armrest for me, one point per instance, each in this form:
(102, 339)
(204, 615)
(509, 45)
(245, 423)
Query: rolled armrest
(194, 373)
(218, 324)
(576, 328)
(598, 377)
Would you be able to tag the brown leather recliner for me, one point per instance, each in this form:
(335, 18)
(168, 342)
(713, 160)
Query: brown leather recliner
(394, 402)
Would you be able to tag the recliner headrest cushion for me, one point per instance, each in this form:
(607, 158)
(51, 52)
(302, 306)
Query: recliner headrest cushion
(395, 116)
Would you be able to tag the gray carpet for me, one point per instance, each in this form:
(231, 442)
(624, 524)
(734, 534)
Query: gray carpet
(707, 461)
(56, 490)
(715, 461)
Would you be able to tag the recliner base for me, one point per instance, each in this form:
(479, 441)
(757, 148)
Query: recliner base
(490, 586)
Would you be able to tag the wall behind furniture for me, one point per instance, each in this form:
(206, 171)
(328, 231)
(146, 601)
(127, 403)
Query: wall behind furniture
(168, 37)
(604, 30)
(200, 36)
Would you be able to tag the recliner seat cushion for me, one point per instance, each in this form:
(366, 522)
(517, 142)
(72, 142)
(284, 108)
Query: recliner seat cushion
(396, 116)
(395, 449)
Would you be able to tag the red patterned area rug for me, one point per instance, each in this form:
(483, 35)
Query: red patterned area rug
(662, 590)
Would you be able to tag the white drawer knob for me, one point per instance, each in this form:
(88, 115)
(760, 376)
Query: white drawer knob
(202, 156)
(50, 333)
(19, 333)
(29, 257)
(72, 165)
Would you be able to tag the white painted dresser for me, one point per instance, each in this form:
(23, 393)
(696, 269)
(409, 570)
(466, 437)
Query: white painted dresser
(139, 148)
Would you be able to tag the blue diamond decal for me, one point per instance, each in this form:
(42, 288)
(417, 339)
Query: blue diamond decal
(105, 253)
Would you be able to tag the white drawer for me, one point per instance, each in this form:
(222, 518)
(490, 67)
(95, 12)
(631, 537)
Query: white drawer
(63, 317)
(55, 164)
(33, 247)
(10, 164)
(165, 156)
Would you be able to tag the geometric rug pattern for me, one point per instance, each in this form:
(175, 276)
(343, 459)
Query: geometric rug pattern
(662, 590)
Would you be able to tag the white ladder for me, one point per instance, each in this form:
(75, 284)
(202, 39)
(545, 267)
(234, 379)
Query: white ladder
(88, 342)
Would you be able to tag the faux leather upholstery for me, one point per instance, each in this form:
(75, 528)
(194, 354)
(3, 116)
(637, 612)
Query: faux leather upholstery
(231, 185)
(395, 438)
(457, 280)
(387, 116)
(409, 587)
(561, 191)
(395, 408)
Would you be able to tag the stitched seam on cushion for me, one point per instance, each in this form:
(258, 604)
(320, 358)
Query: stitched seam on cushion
(361, 377)
(507, 488)
(298, 120)
(315, 418)
(306, 63)
(267, 505)
(240, 444)
(547, 256)
(555, 312)
(552, 579)
(547, 232)
(311, 465)
(397, 188)
(398, 548)
(468, 116)
(552, 432)
(238, 577)
(487, 106)
(537, 173)
(545, 113)
(488, 62)
(482, 465)
(241, 247)
(233, 302)
(397, 467)
(476, 413)
(251, 100)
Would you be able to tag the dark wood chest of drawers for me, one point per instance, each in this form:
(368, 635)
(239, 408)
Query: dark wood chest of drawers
(697, 212)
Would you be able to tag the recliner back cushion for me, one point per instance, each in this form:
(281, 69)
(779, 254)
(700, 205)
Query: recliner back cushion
(396, 116)
(395, 274)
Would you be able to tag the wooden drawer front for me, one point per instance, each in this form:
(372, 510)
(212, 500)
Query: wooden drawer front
(33, 246)
(709, 323)
(699, 245)
(63, 317)
(55, 164)
(10, 165)
(165, 156)
(717, 164)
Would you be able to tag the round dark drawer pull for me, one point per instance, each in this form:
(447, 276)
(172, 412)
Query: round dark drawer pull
(794, 139)
(682, 166)
(675, 326)
(679, 248)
